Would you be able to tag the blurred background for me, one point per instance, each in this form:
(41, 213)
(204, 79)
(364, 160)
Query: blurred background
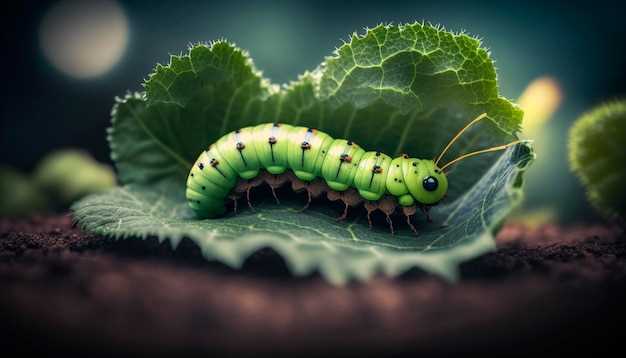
(64, 61)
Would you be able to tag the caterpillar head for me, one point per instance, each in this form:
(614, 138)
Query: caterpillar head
(426, 182)
(430, 184)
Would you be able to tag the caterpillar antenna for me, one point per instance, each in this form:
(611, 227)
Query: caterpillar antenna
(492, 149)
(456, 136)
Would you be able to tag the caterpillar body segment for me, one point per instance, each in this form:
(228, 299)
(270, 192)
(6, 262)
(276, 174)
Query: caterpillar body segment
(313, 161)
(306, 151)
(205, 205)
(341, 164)
(396, 184)
(371, 176)
(238, 150)
(271, 152)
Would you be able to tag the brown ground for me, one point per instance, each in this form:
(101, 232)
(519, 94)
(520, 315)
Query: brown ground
(546, 290)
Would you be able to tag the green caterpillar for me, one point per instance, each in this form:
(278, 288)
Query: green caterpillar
(250, 156)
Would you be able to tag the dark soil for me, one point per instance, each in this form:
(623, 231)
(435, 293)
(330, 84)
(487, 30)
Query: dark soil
(550, 290)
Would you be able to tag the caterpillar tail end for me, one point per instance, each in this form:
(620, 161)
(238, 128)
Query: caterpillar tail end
(202, 213)
(205, 207)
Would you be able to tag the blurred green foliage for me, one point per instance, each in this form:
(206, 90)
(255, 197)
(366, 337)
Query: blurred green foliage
(68, 175)
(20, 196)
(59, 179)
(598, 157)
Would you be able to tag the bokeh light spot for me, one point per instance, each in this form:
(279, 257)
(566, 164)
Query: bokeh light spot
(540, 100)
(84, 39)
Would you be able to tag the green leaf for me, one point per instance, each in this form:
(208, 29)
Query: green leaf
(193, 101)
(406, 88)
(596, 156)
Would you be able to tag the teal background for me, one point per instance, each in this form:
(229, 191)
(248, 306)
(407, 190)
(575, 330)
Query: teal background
(581, 45)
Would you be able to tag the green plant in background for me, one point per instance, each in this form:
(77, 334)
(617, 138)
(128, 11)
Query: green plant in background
(396, 89)
(19, 195)
(598, 157)
(59, 179)
(68, 175)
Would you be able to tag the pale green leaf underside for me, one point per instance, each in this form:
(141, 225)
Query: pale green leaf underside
(396, 89)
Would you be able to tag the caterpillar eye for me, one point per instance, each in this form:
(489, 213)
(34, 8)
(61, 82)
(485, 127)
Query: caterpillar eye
(430, 183)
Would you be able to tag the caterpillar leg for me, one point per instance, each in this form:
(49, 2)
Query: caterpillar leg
(352, 197)
(334, 196)
(298, 185)
(345, 212)
(409, 211)
(274, 195)
(245, 186)
(234, 198)
(390, 224)
(308, 202)
(317, 188)
(388, 205)
(274, 181)
(425, 209)
(248, 198)
(313, 189)
(349, 198)
(370, 207)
